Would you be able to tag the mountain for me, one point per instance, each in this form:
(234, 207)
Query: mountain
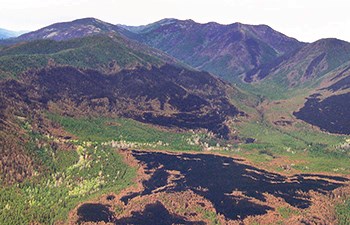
(225, 50)
(309, 63)
(91, 52)
(319, 73)
(9, 34)
(255, 57)
(168, 96)
(69, 30)
(107, 53)
(103, 75)
(312, 83)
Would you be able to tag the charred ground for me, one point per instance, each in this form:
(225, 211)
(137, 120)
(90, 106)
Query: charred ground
(167, 96)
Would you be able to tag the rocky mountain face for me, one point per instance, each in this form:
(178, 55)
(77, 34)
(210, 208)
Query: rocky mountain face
(225, 50)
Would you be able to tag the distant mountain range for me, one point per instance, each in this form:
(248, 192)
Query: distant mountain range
(255, 58)
(265, 62)
(225, 50)
(9, 34)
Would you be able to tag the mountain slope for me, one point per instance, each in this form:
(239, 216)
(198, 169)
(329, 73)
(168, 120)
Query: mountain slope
(330, 114)
(99, 76)
(328, 106)
(102, 52)
(310, 63)
(312, 84)
(169, 96)
(226, 50)
(136, 81)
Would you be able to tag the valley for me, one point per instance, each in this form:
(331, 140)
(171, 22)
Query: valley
(174, 122)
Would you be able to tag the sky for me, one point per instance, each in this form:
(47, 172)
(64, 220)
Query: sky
(306, 20)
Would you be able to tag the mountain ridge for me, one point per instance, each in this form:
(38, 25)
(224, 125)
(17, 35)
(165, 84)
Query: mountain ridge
(307, 64)
(212, 46)
(256, 58)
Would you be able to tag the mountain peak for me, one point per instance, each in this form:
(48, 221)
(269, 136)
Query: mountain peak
(330, 42)
(167, 21)
(72, 29)
(87, 19)
(329, 46)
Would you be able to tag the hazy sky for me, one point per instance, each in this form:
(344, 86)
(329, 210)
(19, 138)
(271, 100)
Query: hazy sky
(306, 20)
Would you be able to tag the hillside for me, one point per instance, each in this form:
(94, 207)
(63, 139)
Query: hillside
(100, 76)
(306, 65)
(105, 53)
(167, 96)
(312, 83)
(328, 106)
(156, 98)
(225, 50)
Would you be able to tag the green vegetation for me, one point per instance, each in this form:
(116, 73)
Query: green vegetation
(287, 212)
(300, 139)
(311, 150)
(129, 131)
(93, 168)
(65, 179)
(343, 212)
(272, 88)
(209, 215)
(89, 52)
